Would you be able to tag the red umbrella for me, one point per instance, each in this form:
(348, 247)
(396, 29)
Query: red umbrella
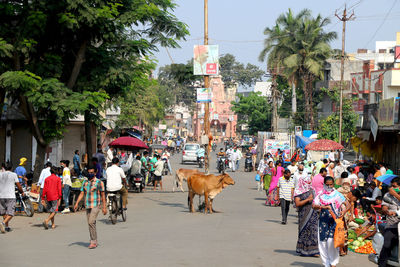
(323, 145)
(128, 143)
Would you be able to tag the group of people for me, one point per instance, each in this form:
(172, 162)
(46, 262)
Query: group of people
(328, 191)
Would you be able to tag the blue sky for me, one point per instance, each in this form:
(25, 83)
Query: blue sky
(237, 26)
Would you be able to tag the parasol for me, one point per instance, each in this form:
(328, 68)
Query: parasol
(323, 145)
(128, 142)
(386, 178)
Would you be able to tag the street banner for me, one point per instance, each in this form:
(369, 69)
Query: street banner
(162, 126)
(204, 95)
(205, 60)
(272, 146)
(374, 126)
(386, 112)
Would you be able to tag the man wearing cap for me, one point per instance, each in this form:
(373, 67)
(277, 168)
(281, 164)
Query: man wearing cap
(21, 172)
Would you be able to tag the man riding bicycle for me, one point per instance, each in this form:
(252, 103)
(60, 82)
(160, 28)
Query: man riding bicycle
(116, 181)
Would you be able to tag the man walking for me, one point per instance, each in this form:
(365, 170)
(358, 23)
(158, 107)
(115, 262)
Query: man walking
(285, 192)
(159, 166)
(93, 190)
(43, 175)
(66, 184)
(52, 194)
(8, 181)
(116, 181)
(77, 163)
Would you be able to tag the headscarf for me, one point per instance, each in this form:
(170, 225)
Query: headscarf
(303, 185)
(330, 196)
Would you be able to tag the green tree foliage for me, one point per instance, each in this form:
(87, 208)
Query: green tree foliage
(297, 47)
(329, 126)
(255, 111)
(234, 72)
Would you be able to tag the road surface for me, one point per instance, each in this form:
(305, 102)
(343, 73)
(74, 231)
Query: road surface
(161, 232)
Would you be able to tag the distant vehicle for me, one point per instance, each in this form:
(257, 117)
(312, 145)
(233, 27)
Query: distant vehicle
(189, 152)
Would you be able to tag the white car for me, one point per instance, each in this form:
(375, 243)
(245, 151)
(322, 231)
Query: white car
(189, 152)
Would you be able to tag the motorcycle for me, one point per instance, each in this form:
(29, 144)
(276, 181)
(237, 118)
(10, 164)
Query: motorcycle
(214, 147)
(165, 168)
(24, 203)
(136, 183)
(201, 162)
(248, 164)
(221, 164)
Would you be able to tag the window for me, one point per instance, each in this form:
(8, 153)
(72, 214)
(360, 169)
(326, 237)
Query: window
(191, 147)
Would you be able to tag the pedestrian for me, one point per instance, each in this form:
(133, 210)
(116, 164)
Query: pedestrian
(292, 166)
(66, 177)
(266, 181)
(277, 173)
(77, 163)
(116, 181)
(329, 199)
(159, 165)
(234, 157)
(8, 181)
(285, 191)
(109, 156)
(338, 170)
(93, 191)
(43, 175)
(51, 197)
(21, 172)
(307, 242)
(318, 181)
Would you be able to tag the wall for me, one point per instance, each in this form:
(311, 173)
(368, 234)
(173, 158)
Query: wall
(74, 139)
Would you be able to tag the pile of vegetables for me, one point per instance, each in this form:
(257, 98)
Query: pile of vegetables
(360, 245)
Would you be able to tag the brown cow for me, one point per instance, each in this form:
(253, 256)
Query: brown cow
(209, 186)
(182, 175)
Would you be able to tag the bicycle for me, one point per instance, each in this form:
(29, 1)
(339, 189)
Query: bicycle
(114, 204)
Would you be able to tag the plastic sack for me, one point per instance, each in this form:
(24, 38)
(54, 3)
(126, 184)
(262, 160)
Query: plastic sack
(258, 178)
(377, 243)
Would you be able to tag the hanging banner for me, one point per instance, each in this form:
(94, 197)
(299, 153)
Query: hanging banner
(204, 95)
(272, 146)
(205, 60)
(386, 112)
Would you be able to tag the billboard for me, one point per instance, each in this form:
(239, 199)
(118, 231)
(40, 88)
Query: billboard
(386, 112)
(272, 146)
(205, 60)
(204, 95)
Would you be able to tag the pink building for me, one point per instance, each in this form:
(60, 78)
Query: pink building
(223, 119)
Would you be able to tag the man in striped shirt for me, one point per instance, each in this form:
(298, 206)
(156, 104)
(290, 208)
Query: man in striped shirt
(285, 192)
(93, 190)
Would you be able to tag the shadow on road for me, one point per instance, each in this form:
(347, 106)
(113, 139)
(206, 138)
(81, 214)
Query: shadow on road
(274, 221)
(286, 251)
(305, 264)
(82, 244)
(259, 198)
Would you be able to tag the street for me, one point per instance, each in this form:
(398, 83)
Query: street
(160, 231)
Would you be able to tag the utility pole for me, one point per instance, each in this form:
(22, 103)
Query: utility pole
(206, 85)
(344, 19)
(274, 93)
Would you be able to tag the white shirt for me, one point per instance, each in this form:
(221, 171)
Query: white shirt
(292, 168)
(109, 156)
(332, 156)
(159, 165)
(114, 178)
(165, 155)
(353, 177)
(7, 184)
(43, 175)
(383, 170)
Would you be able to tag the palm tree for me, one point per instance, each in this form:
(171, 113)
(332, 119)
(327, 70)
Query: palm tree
(297, 47)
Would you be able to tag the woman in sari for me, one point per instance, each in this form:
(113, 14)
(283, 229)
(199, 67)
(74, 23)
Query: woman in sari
(276, 174)
(267, 176)
(328, 200)
(307, 242)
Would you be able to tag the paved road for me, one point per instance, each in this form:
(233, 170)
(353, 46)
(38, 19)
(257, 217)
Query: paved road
(161, 232)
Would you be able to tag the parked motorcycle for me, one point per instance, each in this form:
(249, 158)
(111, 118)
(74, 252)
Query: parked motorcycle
(136, 183)
(24, 203)
(201, 162)
(248, 164)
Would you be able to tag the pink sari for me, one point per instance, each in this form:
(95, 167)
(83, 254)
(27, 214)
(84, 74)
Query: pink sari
(278, 173)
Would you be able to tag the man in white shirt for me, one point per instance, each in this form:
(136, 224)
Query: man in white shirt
(382, 169)
(43, 175)
(8, 181)
(292, 167)
(158, 168)
(116, 180)
(109, 156)
(331, 156)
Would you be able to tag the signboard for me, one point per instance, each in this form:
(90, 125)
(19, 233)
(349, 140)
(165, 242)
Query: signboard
(298, 130)
(205, 60)
(386, 112)
(204, 95)
(397, 54)
(272, 146)
(374, 126)
(162, 126)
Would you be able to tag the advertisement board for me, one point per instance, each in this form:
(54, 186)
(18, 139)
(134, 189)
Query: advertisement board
(205, 60)
(272, 146)
(204, 95)
(386, 112)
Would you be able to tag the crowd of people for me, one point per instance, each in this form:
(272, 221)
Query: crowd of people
(329, 193)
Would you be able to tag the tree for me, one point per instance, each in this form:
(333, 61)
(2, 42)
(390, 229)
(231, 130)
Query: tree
(95, 48)
(234, 72)
(297, 46)
(255, 111)
(328, 127)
